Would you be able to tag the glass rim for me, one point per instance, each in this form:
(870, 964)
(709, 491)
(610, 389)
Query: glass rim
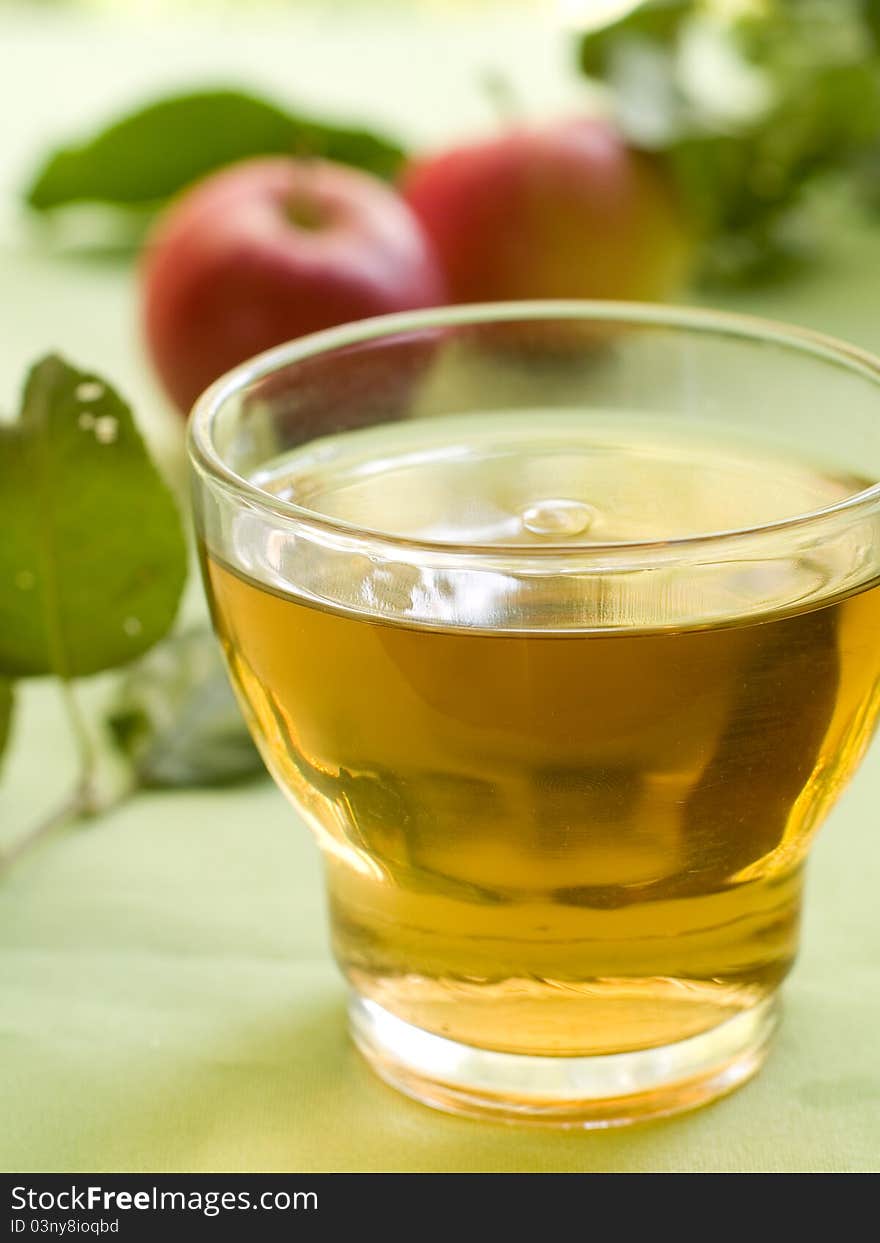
(818, 346)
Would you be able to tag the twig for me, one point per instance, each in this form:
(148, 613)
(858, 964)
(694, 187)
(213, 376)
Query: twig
(88, 754)
(72, 809)
(81, 805)
(84, 802)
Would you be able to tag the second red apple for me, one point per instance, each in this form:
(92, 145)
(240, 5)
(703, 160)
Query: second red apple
(561, 211)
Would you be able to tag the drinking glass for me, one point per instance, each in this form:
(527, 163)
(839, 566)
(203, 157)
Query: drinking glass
(558, 623)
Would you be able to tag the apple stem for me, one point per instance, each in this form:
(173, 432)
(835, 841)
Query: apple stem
(503, 97)
(304, 212)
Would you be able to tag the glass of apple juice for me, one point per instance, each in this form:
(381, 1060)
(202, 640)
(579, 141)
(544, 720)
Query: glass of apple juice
(559, 625)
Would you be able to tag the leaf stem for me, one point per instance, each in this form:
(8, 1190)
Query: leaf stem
(85, 743)
(73, 808)
(81, 804)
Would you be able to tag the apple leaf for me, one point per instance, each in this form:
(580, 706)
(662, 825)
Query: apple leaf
(751, 106)
(93, 556)
(151, 154)
(177, 720)
(658, 21)
(870, 10)
(5, 712)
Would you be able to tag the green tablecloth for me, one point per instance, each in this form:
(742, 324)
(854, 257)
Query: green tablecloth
(167, 999)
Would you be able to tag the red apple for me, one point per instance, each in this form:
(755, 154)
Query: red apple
(560, 211)
(268, 250)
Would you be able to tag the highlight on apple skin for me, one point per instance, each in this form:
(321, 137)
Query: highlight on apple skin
(562, 210)
(271, 249)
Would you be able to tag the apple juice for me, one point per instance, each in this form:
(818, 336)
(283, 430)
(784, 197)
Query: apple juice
(540, 837)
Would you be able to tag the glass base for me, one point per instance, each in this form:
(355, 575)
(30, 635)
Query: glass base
(597, 1091)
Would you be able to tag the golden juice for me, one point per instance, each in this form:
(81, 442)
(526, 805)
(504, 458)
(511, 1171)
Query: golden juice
(545, 832)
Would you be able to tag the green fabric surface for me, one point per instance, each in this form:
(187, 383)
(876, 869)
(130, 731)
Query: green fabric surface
(167, 997)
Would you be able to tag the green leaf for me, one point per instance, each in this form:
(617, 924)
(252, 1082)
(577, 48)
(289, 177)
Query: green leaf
(5, 712)
(177, 720)
(656, 21)
(871, 17)
(93, 557)
(751, 105)
(153, 153)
